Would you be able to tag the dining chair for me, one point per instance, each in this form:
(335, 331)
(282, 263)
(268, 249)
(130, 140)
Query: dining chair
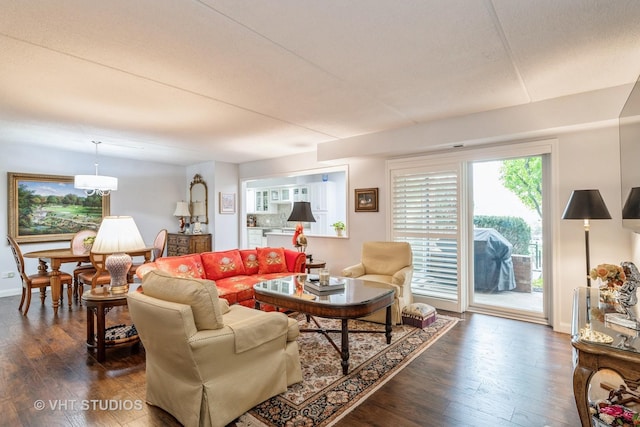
(159, 246)
(40, 280)
(79, 246)
(97, 276)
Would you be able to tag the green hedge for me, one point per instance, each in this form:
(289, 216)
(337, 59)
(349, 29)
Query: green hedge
(514, 229)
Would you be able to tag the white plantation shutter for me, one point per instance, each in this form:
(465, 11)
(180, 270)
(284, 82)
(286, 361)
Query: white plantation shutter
(424, 212)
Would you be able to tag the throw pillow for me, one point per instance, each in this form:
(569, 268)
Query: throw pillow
(200, 294)
(182, 266)
(218, 265)
(271, 260)
(250, 261)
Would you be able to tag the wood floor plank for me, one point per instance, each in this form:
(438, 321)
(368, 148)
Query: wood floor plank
(485, 371)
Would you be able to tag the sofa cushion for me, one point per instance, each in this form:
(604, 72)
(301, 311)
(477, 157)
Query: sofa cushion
(218, 265)
(271, 260)
(240, 287)
(200, 294)
(182, 266)
(250, 261)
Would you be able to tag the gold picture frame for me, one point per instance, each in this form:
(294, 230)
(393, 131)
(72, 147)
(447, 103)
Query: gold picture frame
(227, 203)
(366, 199)
(47, 208)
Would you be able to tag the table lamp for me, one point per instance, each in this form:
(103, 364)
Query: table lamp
(197, 211)
(182, 211)
(301, 212)
(116, 236)
(587, 205)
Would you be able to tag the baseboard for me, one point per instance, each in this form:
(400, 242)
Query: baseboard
(10, 292)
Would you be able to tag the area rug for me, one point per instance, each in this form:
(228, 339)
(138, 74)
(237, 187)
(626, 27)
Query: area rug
(326, 395)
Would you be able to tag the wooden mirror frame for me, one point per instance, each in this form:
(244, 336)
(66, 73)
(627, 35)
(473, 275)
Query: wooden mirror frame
(196, 184)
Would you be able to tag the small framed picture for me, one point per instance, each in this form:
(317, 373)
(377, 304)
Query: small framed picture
(227, 203)
(366, 200)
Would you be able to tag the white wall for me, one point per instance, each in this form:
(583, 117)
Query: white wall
(586, 158)
(227, 226)
(147, 191)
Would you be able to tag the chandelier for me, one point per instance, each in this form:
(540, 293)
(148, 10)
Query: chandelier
(96, 184)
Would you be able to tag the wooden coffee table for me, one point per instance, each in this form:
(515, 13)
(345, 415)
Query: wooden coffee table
(358, 298)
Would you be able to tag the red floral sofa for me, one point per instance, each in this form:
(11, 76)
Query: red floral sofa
(234, 271)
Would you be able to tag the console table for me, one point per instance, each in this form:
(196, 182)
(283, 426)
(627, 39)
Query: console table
(622, 354)
(183, 244)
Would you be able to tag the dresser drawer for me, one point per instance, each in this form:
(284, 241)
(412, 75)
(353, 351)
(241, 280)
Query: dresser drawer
(183, 244)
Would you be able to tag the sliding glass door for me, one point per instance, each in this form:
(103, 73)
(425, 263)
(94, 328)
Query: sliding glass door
(475, 222)
(507, 212)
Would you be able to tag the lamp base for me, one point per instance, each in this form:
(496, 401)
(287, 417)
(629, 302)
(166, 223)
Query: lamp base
(118, 266)
(197, 228)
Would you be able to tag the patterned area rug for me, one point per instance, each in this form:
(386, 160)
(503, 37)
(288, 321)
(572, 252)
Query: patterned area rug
(326, 395)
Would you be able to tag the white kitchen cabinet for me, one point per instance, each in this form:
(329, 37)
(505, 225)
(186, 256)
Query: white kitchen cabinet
(254, 237)
(322, 196)
(285, 194)
(301, 194)
(262, 200)
(321, 225)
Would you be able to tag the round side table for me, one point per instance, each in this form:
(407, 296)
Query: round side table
(98, 304)
(315, 264)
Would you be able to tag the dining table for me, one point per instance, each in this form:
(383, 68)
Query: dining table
(57, 257)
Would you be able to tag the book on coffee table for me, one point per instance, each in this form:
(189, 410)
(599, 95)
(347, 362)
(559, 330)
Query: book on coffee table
(336, 284)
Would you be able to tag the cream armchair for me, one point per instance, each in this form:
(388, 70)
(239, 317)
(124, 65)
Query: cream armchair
(390, 263)
(208, 363)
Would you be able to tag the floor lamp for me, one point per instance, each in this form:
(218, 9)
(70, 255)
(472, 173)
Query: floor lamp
(587, 205)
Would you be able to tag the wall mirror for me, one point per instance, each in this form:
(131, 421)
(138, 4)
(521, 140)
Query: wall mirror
(630, 150)
(198, 200)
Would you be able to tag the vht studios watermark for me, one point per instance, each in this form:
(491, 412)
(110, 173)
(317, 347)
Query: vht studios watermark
(88, 405)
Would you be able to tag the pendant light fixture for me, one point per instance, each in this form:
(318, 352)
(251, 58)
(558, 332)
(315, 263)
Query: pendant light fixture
(96, 184)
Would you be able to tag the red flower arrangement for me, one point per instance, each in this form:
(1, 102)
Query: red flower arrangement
(617, 415)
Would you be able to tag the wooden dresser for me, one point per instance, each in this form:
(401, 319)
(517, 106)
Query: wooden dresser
(182, 244)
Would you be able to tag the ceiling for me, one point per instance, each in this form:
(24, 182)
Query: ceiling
(186, 81)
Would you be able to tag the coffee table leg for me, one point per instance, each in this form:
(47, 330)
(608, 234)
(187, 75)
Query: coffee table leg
(387, 325)
(345, 347)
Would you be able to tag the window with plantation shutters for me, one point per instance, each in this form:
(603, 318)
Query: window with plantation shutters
(424, 212)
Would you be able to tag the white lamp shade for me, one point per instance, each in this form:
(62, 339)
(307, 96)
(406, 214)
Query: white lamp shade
(198, 209)
(95, 182)
(117, 234)
(182, 209)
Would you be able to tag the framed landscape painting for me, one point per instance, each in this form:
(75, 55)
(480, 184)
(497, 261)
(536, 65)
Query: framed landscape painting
(45, 208)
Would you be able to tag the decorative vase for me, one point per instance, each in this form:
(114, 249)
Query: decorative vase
(87, 247)
(339, 232)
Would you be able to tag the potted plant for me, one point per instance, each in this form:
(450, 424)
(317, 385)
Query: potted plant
(339, 227)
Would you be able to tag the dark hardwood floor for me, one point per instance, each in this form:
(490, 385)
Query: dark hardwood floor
(487, 371)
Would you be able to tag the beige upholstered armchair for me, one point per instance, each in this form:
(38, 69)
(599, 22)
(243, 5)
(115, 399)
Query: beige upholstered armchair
(208, 363)
(390, 263)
